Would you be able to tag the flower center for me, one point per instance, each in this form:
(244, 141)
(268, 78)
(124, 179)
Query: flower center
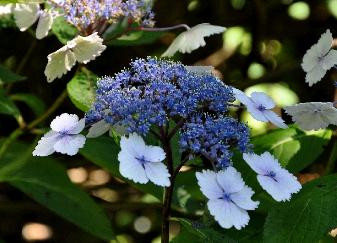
(261, 108)
(227, 197)
(272, 175)
(142, 160)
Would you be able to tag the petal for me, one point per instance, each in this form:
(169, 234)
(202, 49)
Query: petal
(64, 123)
(208, 184)
(134, 145)
(157, 173)
(154, 154)
(46, 144)
(242, 97)
(324, 43)
(310, 59)
(243, 199)
(130, 168)
(227, 214)
(25, 15)
(230, 180)
(288, 181)
(78, 127)
(44, 24)
(69, 144)
(254, 162)
(329, 60)
(315, 75)
(98, 129)
(261, 98)
(274, 118)
(274, 188)
(256, 113)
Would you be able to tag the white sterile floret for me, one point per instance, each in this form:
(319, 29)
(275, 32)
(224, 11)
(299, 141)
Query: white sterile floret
(319, 59)
(313, 115)
(26, 15)
(277, 181)
(192, 39)
(260, 106)
(200, 69)
(142, 163)
(5, 9)
(63, 138)
(229, 197)
(81, 49)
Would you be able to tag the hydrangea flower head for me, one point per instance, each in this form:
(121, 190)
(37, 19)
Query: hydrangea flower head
(153, 92)
(142, 163)
(229, 197)
(259, 105)
(64, 136)
(319, 59)
(278, 182)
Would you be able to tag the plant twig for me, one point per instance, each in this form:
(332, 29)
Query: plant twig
(332, 159)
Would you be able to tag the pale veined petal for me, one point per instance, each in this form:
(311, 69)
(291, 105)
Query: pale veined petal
(243, 199)
(274, 118)
(46, 144)
(87, 48)
(192, 39)
(98, 129)
(59, 63)
(44, 24)
(274, 188)
(208, 184)
(227, 214)
(134, 145)
(256, 113)
(230, 180)
(315, 75)
(254, 162)
(78, 127)
(324, 43)
(288, 181)
(242, 97)
(261, 98)
(131, 168)
(310, 59)
(154, 154)
(329, 60)
(69, 144)
(157, 173)
(64, 122)
(25, 15)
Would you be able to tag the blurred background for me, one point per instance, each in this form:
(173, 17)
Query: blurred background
(262, 49)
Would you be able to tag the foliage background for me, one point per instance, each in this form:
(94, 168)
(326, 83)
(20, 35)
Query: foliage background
(265, 35)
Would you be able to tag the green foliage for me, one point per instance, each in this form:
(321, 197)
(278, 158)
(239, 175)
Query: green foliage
(7, 106)
(7, 76)
(308, 217)
(136, 38)
(32, 101)
(63, 30)
(46, 181)
(82, 89)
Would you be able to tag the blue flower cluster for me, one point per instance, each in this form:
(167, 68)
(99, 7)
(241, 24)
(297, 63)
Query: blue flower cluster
(86, 14)
(152, 91)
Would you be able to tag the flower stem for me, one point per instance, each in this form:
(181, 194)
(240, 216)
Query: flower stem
(166, 28)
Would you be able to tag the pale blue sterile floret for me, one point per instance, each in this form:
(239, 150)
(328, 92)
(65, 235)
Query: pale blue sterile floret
(88, 13)
(153, 91)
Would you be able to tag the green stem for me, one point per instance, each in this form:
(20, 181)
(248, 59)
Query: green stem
(332, 159)
(16, 133)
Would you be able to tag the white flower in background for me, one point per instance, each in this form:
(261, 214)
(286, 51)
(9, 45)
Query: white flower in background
(26, 15)
(192, 39)
(278, 182)
(63, 138)
(80, 49)
(319, 59)
(142, 163)
(259, 105)
(229, 197)
(313, 115)
(5, 9)
(200, 69)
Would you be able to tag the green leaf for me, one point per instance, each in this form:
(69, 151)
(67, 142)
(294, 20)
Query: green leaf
(103, 151)
(32, 101)
(63, 30)
(294, 148)
(7, 106)
(308, 217)
(7, 76)
(47, 182)
(136, 38)
(82, 89)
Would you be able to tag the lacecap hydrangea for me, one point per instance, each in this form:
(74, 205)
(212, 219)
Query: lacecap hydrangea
(154, 93)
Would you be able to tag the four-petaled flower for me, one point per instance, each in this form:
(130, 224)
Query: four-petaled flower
(142, 163)
(319, 59)
(259, 105)
(278, 182)
(229, 197)
(64, 136)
